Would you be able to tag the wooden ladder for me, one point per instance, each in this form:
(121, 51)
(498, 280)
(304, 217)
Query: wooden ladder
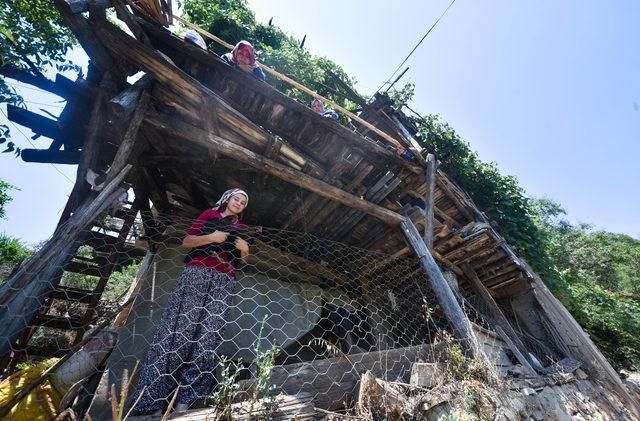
(106, 252)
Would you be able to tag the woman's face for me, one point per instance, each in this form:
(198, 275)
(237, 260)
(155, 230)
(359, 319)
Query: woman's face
(236, 204)
(244, 57)
(317, 106)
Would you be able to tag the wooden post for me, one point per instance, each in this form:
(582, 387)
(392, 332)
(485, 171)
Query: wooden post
(22, 293)
(457, 319)
(429, 201)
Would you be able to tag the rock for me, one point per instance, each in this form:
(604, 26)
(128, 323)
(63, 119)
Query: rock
(424, 374)
(581, 375)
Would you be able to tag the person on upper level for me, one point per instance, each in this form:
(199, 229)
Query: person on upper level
(318, 106)
(243, 57)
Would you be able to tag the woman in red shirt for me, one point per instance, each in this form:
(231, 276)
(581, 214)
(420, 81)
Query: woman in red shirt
(182, 354)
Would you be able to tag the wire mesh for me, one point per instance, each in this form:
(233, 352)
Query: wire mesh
(302, 315)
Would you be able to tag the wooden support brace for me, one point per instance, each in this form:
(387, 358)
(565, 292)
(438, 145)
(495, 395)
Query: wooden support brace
(457, 319)
(127, 151)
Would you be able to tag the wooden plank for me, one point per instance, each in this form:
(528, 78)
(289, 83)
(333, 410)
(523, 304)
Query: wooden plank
(430, 180)
(62, 86)
(50, 156)
(450, 306)
(210, 141)
(447, 187)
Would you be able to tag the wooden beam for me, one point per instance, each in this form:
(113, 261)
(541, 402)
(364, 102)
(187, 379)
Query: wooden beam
(457, 319)
(62, 86)
(37, 123)
(444, 184)
(374, 152)
(595, 363)
(429, 200)
(122, 105)
(49, 156)
(303, 88)
(210, 141)
(127, 151)
(85, 35)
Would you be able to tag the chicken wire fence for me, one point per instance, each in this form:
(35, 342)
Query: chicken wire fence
(301, 315)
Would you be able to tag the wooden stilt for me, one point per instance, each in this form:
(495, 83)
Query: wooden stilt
(457, 319)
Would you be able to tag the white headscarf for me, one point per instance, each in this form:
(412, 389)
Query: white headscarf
(227, 195)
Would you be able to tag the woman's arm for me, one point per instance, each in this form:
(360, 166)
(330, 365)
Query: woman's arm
(191, 241)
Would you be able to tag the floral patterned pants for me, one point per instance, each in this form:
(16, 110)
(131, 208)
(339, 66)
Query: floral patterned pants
(182, 353)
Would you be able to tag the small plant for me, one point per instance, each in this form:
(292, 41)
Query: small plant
(222, 398)
(459, 366)
(264, 361)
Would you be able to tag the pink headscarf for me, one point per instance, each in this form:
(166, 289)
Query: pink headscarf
(247, 47)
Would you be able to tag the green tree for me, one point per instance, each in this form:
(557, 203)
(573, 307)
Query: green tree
(601, 275)
(33, 39)
(4, 197)
(12, 250)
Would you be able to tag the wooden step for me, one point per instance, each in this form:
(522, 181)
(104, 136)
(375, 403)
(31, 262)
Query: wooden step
(101, 242)
(57, 322)
(72, 294)
(83, 268)
(124, 213)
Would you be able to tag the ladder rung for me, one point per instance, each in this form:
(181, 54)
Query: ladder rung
(124, 213)
(83, 269)
(101, 242)
(72, 294)
(57, 322)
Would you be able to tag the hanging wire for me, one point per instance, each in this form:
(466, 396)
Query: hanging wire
(32, 144)
(417, 45)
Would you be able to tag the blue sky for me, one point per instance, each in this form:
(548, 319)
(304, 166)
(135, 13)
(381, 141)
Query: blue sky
(549, 90)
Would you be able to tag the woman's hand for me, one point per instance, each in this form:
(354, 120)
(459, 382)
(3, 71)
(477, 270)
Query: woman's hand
(243, 246)
(217, 237)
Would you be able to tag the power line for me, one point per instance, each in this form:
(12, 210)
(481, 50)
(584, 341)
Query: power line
(417, 45)
(32, 144)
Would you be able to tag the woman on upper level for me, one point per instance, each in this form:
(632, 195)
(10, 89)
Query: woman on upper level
(244, 58)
